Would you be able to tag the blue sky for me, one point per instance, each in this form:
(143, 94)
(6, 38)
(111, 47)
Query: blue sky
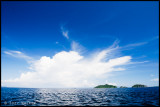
(31, 30)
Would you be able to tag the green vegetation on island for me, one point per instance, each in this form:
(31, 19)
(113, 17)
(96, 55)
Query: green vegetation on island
(106, 86)
(123, 87)
(112, 86)
(138, 86)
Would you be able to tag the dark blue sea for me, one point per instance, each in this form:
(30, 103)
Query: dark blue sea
(80, 97)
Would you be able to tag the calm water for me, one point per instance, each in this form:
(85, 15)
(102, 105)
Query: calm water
(80, 97)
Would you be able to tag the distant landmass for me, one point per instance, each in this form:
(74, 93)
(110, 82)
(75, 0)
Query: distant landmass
(112, 86)
(106, 86)
(138, 86)
(123, 87)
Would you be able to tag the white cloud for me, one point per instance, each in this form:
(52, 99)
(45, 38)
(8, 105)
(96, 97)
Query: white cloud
(69, 69)
(135, 44)
(138, 62)
(64, 32)
(19, 54)
(77, 47)
(131, 46)
(155, 79)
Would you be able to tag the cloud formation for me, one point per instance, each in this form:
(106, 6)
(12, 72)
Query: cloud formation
(155, 79)
(68, 69)
(19, 54)
(64, 32)
(77, 47)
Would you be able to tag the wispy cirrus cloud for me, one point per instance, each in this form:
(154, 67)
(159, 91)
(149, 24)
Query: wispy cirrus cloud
(132, 46)
(18, 54)
(138, 44)
(75, 46)
(135, 44)
(64, 32)
(138, 62)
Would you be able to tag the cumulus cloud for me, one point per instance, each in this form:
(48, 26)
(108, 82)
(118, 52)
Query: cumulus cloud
(70, 69)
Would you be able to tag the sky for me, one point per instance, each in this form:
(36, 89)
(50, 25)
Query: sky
(79, 44)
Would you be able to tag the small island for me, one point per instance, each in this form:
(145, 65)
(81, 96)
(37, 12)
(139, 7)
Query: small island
(138, 86)
(106, 86)
(122, 87)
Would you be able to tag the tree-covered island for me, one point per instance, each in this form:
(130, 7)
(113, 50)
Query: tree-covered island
(106, 86)
(112, 86)
(138, 86)
(123, 87)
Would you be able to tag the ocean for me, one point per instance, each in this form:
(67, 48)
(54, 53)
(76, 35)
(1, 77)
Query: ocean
(80, 97)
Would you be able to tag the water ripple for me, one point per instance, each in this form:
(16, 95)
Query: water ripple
(80, 97)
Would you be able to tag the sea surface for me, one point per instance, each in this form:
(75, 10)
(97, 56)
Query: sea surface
(80, 97)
